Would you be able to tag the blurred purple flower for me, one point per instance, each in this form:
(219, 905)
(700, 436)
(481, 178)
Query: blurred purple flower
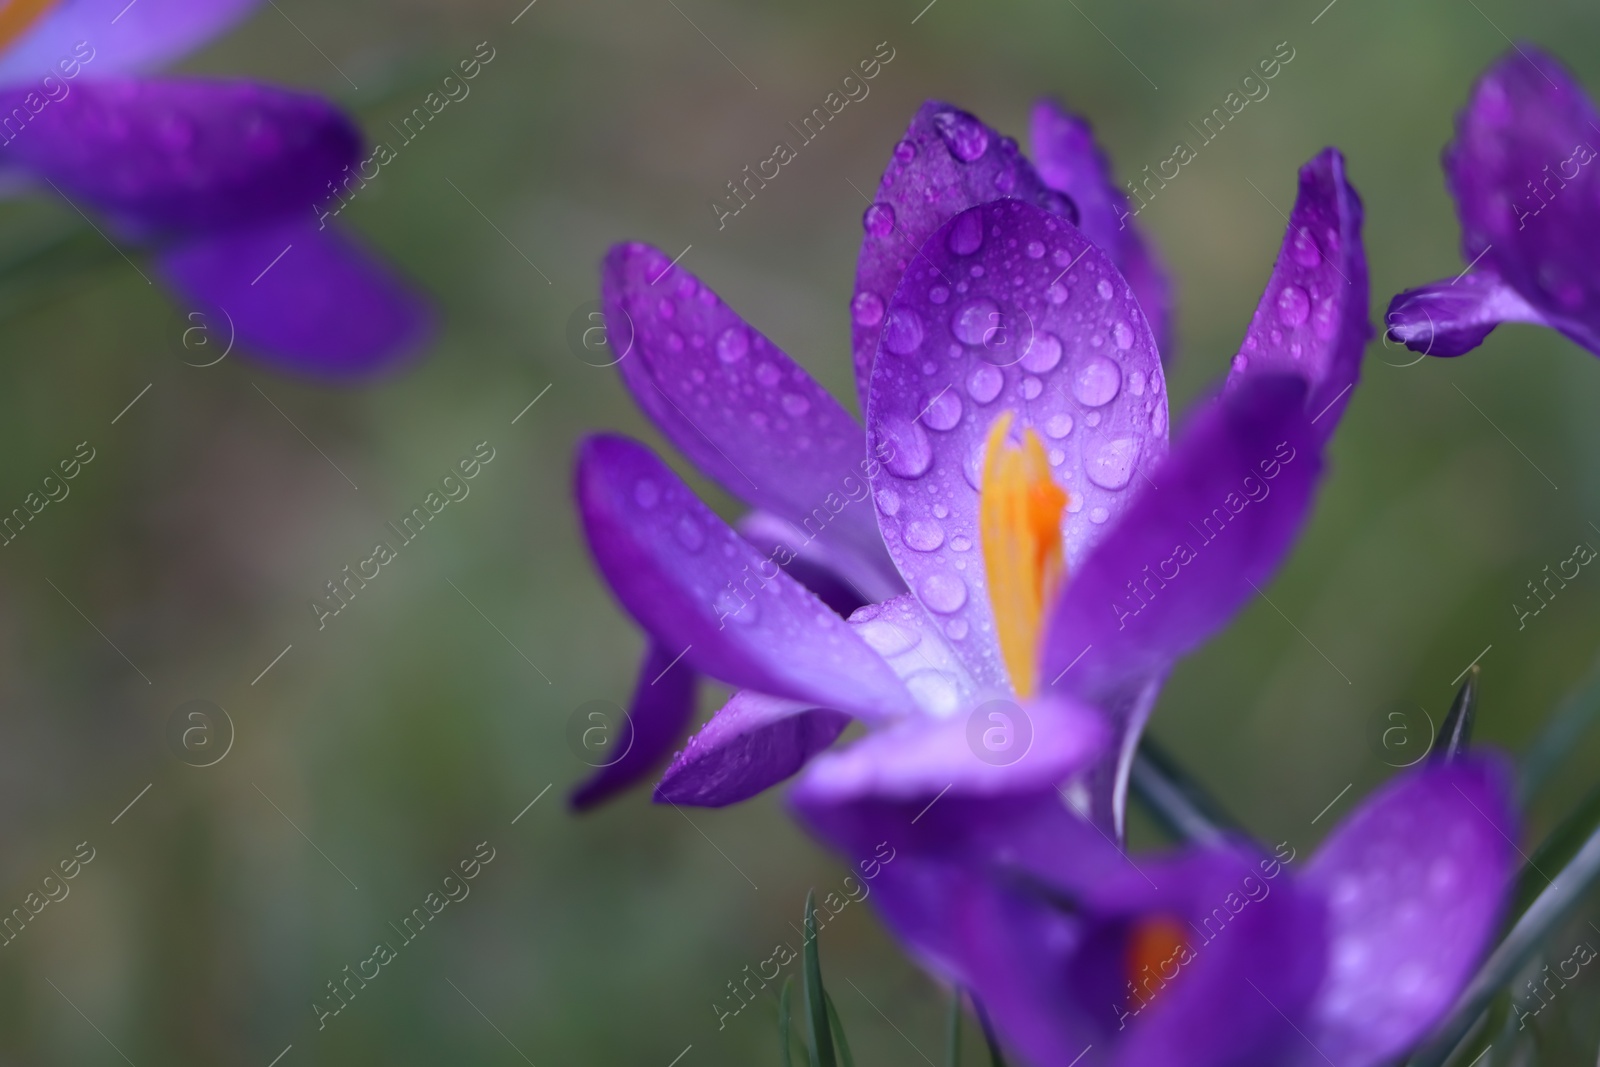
(1016, 433)
(219, 176)
(1527, 190)
(1210, 954)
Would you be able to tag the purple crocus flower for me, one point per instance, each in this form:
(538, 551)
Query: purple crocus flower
(1527, 189)
(1017, 426)
(1205, 956)
(219, 177)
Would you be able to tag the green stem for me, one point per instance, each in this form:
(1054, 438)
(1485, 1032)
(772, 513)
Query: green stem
(1183, 807)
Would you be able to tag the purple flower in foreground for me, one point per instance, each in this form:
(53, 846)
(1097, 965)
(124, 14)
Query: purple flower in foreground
(1017, 427)
(219, 176)
(1527, 189)
(1213, 955)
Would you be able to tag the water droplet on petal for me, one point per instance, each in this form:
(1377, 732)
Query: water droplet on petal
(1293, 305)
(1057, 294)
(1122, 334)
(1096, 381)
(964, 135)
(966, 233)
(1103, 287)
(646, 493)
(887, 638)
(1098, 515)
(943, 592)
(938, 294)
(960, 544)
(888, 502)
(730, 606)
(733, 343)
(867, 308)
(934, 692)
(1304, 249)
(975, 321)
(984, 383)
(878, 220)
(1031, 387)
(795, 404)
(943, 411)
(903, 334)
(912, 453)
(924, 535)
(1035, 249)
(1058, 425)
(768, 375)
(689, 533)
(956, 628)
(1043, 353)
(1111, 465)
(905, 152)
(666, 308)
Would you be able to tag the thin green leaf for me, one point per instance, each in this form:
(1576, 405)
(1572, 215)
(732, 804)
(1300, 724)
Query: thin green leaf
(995, 1058)
(1178, 801)
(838, 1031)
(952, 1040)
(783, 1020)
(1560, 736)
(1557, 850)
(1456, 733)
(816, 1011)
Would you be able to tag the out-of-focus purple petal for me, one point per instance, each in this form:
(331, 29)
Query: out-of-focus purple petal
(1451, 318)
(1313, 317)
(1006, 308)
(107, 37)
(180, 154)
(1524, 173)
(755, 741)
(734, 403)
(828, 568)
(304, 299)
(695, 584)
(1416, 881)
(997, 748)
(662, 705)
(1069, 160)
(947, 162)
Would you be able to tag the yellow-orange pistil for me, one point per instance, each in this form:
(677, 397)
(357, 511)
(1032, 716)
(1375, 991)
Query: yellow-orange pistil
(1157, 948)
(17, 15)
(1019, 520)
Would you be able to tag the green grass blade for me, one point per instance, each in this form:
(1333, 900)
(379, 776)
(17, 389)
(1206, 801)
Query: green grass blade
(816, 1011)
(952, 1037)
(995, 1058)
(838, 1031)
(1566, 727)
(783, 1020)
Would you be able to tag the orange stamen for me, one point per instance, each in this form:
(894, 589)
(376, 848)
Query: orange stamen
(18, 15)
(1157, 948)
(1019, 520)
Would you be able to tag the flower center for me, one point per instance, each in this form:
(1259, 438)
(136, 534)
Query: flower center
(1153, 954)
(1019, 520)
(17, 16)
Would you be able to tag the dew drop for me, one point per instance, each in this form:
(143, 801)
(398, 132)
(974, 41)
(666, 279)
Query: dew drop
(1098, 515)
(943, 592)
(975, 321)
(1057, 294)
(689, 533)
(646, 493)
(1122, 334)
(1111, 465)
(795, 404)
(1136, 382)
(943, 411)
(887, 638)
(734, 342)
(1031, 387)
(1293, 305)
(1035, 249)
(961, 544)
(924, 535)
(1096, 381)
(956, 629)
(964, 135)
(734, 608)
(905, 152)
(1104, 289)
(1043, 353)
(1058, 425)
(938, 294)
(767, 375)
(674, 341)
(666, 308)
(934, 692)
(984, 383)
(867, 308)
(1304, 249)
(878, 220)
(913, 453)
(888, 502)
(903, 334)
(966, 233)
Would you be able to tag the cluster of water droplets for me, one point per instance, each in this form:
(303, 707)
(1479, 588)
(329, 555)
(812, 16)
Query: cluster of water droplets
(1302, 313)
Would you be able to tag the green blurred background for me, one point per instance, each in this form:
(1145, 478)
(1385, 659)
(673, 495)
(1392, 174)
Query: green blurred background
(416, 725)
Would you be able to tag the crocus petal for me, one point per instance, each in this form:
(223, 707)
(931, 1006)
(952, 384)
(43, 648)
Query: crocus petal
(1312, 319)
(824, 567)
(947, 162)
(1416, 881)
(1451, 318)
(755, 741)
(1069, 160)
(911, 641)
(696, 585)
(304, 299)
(731, 401)
(107, 37)
(662, 705)
(1006, 308)
(1527, 188)
(998, 747)
(182, 154)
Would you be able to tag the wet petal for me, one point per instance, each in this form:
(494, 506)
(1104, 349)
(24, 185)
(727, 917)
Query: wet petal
(911, 640)
(1069, 160)
(1449, 318)
(755, 741)
(1524, 174)
(303, 299)
(1416, 881)
(662, 705)
(99, 38)
(948, 161)
(1007, 308)
(735, 404)
(1313, 318)
(695, 584)
(181, 154)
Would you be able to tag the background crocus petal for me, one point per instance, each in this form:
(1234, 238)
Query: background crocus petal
(755, 741)
(698, 587)
(1069, 160)
(303, 299)
(109, 37)
(1416, 880)
(1050, 332)
(182, 154)
(1451, 318)
(1524, 173)
(662, 705)
(947, 162)
(731, 401)
(998, 747)
(1313, 317)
